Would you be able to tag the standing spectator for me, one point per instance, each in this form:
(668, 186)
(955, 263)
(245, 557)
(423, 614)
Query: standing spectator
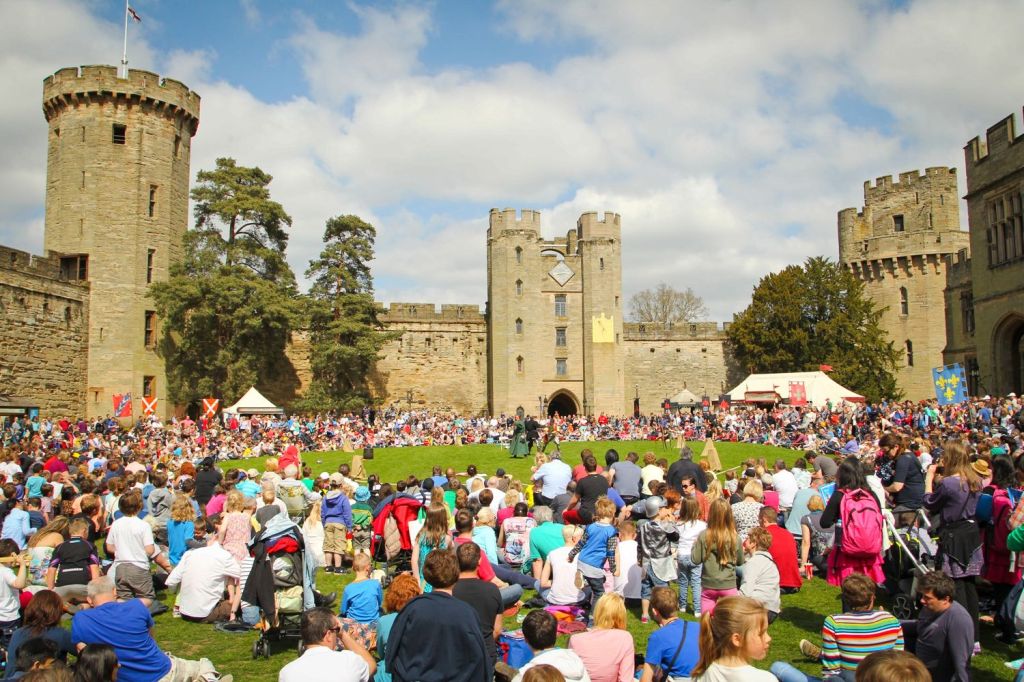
(336, 512)
(690, 527)
(955, 501)
(719, 551)
(17, 524)
(841, 562)
(235, 528)
(130, 542)
(607, 650)
(361, 603)
(433, 535)
(321, 661)
(208, 477)
(847, 638)
(656, 546)
(999, 568)
(907, 485)
(945, 631)
(599, 545)
(436, 637)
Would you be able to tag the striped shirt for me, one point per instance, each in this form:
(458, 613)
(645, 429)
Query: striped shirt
(848, 637)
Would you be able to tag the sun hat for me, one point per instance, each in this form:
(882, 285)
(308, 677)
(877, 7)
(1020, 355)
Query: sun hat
(362, 494)
(981, 468)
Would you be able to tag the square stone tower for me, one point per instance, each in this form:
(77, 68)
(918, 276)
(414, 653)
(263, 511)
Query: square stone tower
(554, 315)
(117, 181)
(898, 246)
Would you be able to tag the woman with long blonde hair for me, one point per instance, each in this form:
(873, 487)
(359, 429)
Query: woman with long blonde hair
(719, 551)
(954, 498)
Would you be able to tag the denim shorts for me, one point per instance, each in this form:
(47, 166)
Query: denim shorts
(649, 582)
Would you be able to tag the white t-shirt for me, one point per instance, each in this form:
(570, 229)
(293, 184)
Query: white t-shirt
(786, 486)
(688, 534)
(9, 602)
(627, 583)
(320, 664)
(563, 578)
(203, 574)
(745, 673)
(130, 536)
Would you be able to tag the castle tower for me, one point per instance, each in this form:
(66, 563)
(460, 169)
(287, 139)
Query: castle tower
(117, 183)
(554, 316)
(898, 246)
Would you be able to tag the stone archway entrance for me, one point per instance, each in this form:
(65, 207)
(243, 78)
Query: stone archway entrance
(1008, 356)
(564, 403)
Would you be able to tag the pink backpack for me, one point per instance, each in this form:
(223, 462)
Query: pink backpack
(862, 525)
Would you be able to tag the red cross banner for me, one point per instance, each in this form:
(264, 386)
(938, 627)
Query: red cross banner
(797, 393)
(148, 405)
(122, 404)
(210, 406)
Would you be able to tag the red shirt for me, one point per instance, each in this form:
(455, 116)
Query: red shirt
(783, 550)
(484, 571)
(579, 471)
(54, 465)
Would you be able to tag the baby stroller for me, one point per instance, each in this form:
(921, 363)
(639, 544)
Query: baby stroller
(391, 542)
(276, 583)
(908, 558)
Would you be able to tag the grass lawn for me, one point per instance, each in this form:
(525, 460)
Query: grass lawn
(801, 617)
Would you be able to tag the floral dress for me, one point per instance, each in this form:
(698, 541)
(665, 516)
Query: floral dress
(235, 533)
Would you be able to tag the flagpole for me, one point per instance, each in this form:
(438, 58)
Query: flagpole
(124, 54)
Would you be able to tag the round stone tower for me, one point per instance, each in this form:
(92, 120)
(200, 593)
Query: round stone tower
(117, 183)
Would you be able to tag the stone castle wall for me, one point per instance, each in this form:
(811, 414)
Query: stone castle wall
(43, 333)
(898, 245)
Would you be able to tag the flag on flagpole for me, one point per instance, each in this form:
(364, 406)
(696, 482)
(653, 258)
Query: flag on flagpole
(824, 368)
(134, 15)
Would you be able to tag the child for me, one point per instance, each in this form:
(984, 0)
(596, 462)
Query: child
(433, 536)
(657, 538)
(718, 550)
(36, 519)
(46, 502)
(236, 528)
(336, 512)
(483, 534)
(732, 636)
(361, 604)
(600, 543)
(761, 574)
(884, 666)
(10, 605)
(690, 526)
(362, 521)
(73, 564)
(627, 583)
(17, 524)
(158, 505)
(181, 528)
(313, 533)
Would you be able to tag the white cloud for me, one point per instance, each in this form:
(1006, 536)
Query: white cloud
(712, 128)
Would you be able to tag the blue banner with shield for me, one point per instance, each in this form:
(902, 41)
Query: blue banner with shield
(950, 384)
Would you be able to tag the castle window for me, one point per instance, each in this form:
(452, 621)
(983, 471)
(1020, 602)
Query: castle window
(74, 268)
(904, 301)
(149, 386)
(83, 133)
(412, 310)
(897, 223)
(616, 301)
(150, 253)
(910, 353)
(152, 200)
(519, 287)
(83, 179)
(693, 330)
(149, 338)
(56, 132)
(560, 337)
(519, 326)
(177, 146)
(429, 341)
(560, 367)
(519, 364)
(559, 305)
(67, 315)
(601, 262)
(519, 254)
(967, 311)
(119, 133)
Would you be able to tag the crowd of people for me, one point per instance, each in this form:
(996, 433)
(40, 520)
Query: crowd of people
(913, 506)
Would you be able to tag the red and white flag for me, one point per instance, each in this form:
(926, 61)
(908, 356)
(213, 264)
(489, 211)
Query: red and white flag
(210, 406)
(122, 404)
(148, 405)
(134, 15)
(797, 393)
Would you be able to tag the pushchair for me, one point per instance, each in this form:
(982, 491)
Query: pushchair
(276, 584)
(907, 560)
(391, 541)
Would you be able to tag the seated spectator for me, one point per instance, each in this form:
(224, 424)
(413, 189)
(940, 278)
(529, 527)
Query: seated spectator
(513, 534)
(36, 655)
(127, 626)
(848, 637)
(783, 551)
(607, 650)
(944, 632)
(731, 636)
(436, 638)
(181, 529)
(815, 542)
(361, 603)
(484, 597)
(540, 629)
(558, 577)
(760, 574)
(209, 578)
(321, 661)
(674, 646)
(886, 666)
(96, 663)
(42, 619)
(542, 539)
(73, 564)
(401, 590)
(17, 524)
(510, 593)
(484, 534)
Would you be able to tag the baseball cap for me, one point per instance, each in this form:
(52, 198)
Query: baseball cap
(335, 478)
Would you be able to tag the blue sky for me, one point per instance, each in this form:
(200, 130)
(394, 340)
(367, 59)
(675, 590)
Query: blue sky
(727, 135)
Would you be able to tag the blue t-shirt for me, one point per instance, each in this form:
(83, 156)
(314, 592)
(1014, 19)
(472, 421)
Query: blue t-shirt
(383, 632)
(362, 600)
(178, 533)
(34, 486)
(56, 634)
(124, 626)
(663, 642)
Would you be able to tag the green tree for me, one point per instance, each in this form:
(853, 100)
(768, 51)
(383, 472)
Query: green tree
(345, 333)
(228, 309)
(817, 314)
(237, 220)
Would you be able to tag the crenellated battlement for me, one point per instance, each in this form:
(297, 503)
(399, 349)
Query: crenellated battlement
(958, 269)
(428, 312)
(678, 331)
(910, 181)
(507, 219)
(94, 84)
(990, 159)
(608, 225)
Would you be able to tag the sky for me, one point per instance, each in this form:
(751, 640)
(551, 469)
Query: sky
(727, 134)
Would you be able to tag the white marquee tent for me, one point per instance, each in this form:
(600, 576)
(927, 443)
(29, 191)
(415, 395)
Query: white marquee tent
(684, 397)
(819, 388)
(253, 402)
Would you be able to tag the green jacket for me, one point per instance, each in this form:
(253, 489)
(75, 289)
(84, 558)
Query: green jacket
(1015, 540)
(716, 576)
